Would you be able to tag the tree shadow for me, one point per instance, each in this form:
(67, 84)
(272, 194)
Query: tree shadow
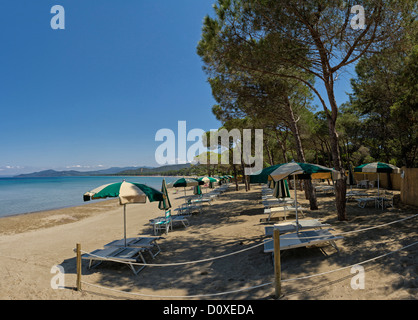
(254, 267)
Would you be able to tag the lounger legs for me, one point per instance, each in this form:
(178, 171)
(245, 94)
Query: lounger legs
(153, 255)
(139, 267)
(335, 246)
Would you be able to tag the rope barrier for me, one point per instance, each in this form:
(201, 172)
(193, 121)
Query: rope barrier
(356, 264)
(191, 296)
(354, 231)
(176, 263)
(246, 249)
(254, 287)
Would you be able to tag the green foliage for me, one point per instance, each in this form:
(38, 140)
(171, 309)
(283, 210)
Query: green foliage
(262, 56)
(385, 100)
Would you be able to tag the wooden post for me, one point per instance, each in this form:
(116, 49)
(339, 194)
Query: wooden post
(277, 266)
(78, 249)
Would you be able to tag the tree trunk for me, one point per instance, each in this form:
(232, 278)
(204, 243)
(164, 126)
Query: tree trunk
(236, 177)
(282, 145)
(340, 184)
(309, 189)
(269, 154)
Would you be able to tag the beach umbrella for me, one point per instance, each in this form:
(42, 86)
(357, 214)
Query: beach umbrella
(127, 192)
(187, 182)
(165, 203)
(262, 176)
(208, 180)
(303, 171)
(281, 189)
(197, 190)
(377, 167)
(211, 182)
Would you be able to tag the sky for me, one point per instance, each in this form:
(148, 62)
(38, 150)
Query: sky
(94, 95)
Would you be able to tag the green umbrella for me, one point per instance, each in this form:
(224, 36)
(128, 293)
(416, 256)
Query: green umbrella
(281, 189)
(187, 182)
(207, 179)
(302, 170)
(262, 176)
(127, 192)
(165, 203)
(197, 190)
(377, 167)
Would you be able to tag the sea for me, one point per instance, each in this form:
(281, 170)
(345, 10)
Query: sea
(24, 195)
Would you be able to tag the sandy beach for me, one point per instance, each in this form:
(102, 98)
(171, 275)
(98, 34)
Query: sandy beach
(32, 244)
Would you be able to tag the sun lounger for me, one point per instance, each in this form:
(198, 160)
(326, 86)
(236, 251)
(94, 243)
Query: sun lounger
(125, 255)
(351, 194)
(149, 243)
(324, 189)
(282, 211)
(187, 209)
(302, 239)
(166, 223)
(270, 197)
(290, 226)
(202, 200)
(277, 203)
(362, 202)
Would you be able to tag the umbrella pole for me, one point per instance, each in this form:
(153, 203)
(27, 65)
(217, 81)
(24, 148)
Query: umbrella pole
(296, 204)
(124, 222)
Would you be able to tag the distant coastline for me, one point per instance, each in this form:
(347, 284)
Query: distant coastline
(168, 170)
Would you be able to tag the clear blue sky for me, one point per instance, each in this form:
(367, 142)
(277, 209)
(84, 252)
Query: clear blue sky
(97, 92)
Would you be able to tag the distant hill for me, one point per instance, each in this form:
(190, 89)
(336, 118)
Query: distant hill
(51, 173)
(114, 170)
(111, 171)
(159, 170)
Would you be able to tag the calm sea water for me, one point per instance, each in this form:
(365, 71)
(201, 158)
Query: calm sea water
(23, 195)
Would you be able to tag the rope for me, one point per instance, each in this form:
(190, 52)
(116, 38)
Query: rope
(354, 231)
(191, 296)
(175, 263)
(250, 288)
(360, 263)
(247, 249)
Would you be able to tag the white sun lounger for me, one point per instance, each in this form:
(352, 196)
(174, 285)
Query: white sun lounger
(202, 200)
(282, 211)
(277, 203)
(124, 255)
(302, 239)
(324, 189)
(352, 194)
(362, 202)
(168, 222)
(189, 209)
(147, 242)
(290, 226)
